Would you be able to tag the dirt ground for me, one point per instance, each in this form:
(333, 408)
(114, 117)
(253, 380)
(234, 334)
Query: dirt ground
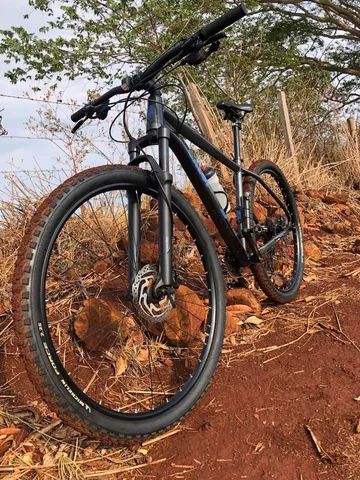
(284, 407)
(284, 403)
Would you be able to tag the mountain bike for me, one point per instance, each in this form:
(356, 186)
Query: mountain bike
(118, 294)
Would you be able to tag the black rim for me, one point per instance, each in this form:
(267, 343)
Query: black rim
(274, 228)
(50, 348)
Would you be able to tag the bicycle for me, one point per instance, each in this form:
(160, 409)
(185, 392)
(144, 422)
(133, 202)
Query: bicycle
(118, 291)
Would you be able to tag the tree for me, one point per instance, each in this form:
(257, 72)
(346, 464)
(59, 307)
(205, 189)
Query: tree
(330, 31)
(282, 44)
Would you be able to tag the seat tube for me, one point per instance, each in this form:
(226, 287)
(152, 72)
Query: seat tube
(165, 213)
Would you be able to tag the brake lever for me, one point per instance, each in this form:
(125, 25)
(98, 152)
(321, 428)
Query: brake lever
(78, 125)
(100, 112)
(198, 56)
(215, 38)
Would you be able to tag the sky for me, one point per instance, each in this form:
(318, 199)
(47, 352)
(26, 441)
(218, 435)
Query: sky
(21, 153)
(21, 156)
(17, 154)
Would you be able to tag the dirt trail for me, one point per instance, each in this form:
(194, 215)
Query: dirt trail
(269, 393)
(294, 375)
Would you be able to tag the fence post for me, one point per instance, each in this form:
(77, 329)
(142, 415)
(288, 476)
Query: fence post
(286, 127)
(352, 127)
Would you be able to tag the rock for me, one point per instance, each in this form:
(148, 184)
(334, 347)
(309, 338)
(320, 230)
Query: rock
(302, 217)
(239, 309)
(2, 310)
(117, 281)
(209, 225)
(232, 220)
(356, 246)
(339, 228)
(183, 325)
(243, 296)
(344, 209)
(315, 193)
(234, 313)
(101, 266)
(98, 323)
(260, 212)
(149, 252)
(231, 325)
(339, 197)
(328, 227)
(149, 248)
(312, 251)
(267, 200)
(194, 199)
(301, 197)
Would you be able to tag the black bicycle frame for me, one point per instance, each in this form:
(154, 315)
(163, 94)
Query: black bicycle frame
(164, 129)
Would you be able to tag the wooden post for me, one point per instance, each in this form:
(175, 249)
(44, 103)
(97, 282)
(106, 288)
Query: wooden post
(352, 127)
(286, 127)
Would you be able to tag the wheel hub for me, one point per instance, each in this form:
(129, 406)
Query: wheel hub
(148, 309)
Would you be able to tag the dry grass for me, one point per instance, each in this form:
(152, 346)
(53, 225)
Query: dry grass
(328, 165)
(52, 451)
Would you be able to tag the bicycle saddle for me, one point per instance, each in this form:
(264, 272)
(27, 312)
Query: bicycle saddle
(234, 111)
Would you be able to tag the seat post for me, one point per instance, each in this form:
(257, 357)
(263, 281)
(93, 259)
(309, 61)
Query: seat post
(236, 128)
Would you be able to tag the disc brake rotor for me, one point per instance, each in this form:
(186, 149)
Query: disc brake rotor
(148, 310)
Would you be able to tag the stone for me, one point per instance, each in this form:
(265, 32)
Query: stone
(336, 227)
(231, 325)
(101, 266)
(301, 197)
(239, 309)
(328, 227)
(356, 246)
(149, 252)
(259, 212)
(194, 199)
(267, 200)
(312, 250)
(183, 325)
(209, 225)
(243, 296)
(100, 323)
(338, 197)
(344, 209)
(234, 313)
(315, 194)
(2, 310)
(302, 217)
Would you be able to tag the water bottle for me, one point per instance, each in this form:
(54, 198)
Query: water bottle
(217, 188)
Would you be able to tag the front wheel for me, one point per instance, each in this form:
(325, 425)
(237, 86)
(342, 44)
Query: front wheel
(111, 361)
(280, 270)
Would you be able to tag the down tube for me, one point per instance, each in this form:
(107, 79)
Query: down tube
(200, 183)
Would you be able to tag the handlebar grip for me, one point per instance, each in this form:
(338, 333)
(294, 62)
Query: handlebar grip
(230, 17)
(79, 114)
(102, 99)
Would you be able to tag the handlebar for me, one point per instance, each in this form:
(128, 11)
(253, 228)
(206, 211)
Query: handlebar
(230, 17)
(174, 53)
(98, 101)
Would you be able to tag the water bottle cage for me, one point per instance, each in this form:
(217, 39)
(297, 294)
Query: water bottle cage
(216, 193)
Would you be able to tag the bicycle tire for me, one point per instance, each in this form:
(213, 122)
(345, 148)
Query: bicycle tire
(30, 319)
(260, 272)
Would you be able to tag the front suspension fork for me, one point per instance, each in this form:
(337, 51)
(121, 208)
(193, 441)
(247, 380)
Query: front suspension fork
(164, 281)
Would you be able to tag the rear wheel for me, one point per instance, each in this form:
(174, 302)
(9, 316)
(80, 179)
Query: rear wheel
(109, 359)
(279, 273)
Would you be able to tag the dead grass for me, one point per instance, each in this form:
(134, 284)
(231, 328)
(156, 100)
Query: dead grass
(49, 450)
